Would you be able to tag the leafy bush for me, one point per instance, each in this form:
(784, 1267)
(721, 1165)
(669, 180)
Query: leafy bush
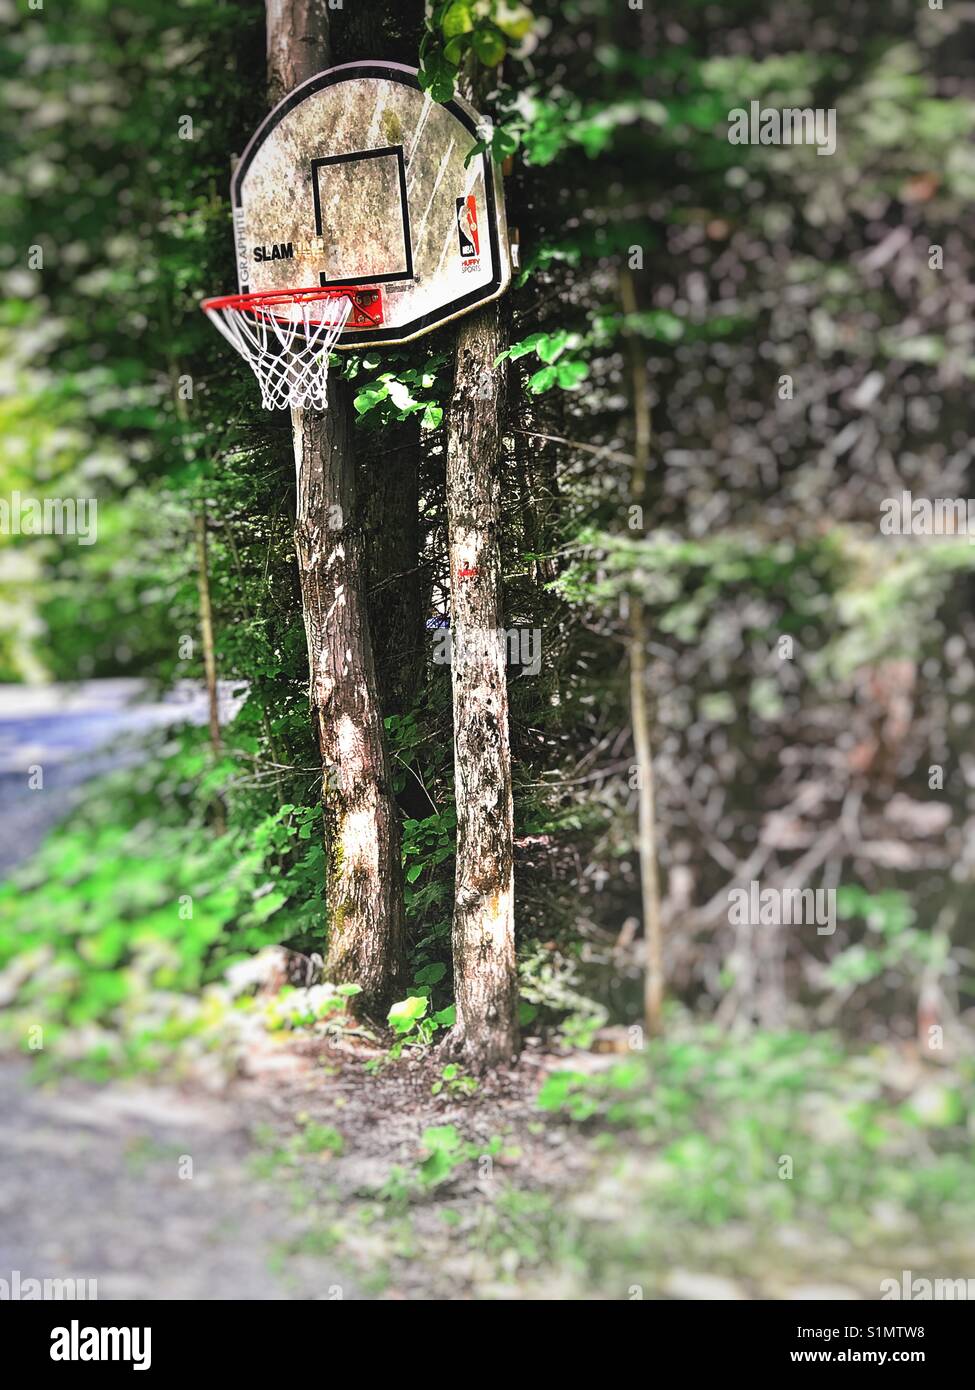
(778, 1127)
(136, 898)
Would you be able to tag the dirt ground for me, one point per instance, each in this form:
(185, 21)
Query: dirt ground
(302, 1178)
(162, 1191)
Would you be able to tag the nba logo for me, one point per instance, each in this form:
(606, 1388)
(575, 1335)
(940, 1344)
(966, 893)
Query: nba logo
(470, 246)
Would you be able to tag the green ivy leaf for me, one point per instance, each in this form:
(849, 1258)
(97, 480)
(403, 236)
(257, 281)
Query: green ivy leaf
(474, 151)
(490, 46)
(437, 1166)
(457, 19)
(431, 974)
(403, 1015)
(369, 398)
(515, 21)
(542, 381)
(400, 395)
(267, 905)
(557, 1088)
(552, 345)
(505, 143)
(454, 49)
(570, 374)
(517, 350)
(441, 1138)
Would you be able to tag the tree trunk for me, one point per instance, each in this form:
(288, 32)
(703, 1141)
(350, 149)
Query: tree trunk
(298, 44)
(391, 465)
(202, 572)
(364, 885)
(206, 628)
(653, 980)
(485, 979)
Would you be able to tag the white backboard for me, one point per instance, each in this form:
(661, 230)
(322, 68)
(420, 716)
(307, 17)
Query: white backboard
(358, 178)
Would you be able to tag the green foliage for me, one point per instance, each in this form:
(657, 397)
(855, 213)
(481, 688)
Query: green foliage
(546, 130)
(412, 1024)
(399, 393)
(834, 581)
(427, 844)
(716, 1122)
(894, 944)
(136, 894)
(454, 1081)
(446, 1151)
(569, 373)
(97, 340)
(759, 520)
(314, 1138)
(476, 32)
(302, 1008)
(404, 1016)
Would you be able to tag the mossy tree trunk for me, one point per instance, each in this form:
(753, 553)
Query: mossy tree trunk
(364, 893)
(483, 936)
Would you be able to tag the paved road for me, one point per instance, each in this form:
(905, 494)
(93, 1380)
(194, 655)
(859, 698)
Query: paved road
(74, 733)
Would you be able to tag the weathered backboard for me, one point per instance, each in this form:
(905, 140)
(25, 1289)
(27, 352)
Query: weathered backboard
(358, 178)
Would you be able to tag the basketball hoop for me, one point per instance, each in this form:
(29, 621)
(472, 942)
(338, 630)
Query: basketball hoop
(358, 185)
(286, 336)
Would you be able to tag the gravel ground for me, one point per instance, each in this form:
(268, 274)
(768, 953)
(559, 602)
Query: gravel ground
(90, 1188)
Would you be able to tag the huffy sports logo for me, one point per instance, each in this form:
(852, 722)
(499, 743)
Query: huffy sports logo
(77, 1343)
(470, 242)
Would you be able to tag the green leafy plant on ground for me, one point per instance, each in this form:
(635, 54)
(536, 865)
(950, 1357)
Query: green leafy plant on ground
(445, 1151)
(311, 1141)
(111, 935)
(769, 1161)
(454, 1082)
(414, 1026)
(777, 1127)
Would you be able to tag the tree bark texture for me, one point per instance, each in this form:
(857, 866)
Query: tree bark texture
(298, 44)
(364, 884)
(653, 978)
(206, 628)
(364, 894)
(483, 939)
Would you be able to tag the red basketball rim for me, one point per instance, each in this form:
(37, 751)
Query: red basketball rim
(264, 301)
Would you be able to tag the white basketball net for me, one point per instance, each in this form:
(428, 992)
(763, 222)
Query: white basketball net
(286, 344)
